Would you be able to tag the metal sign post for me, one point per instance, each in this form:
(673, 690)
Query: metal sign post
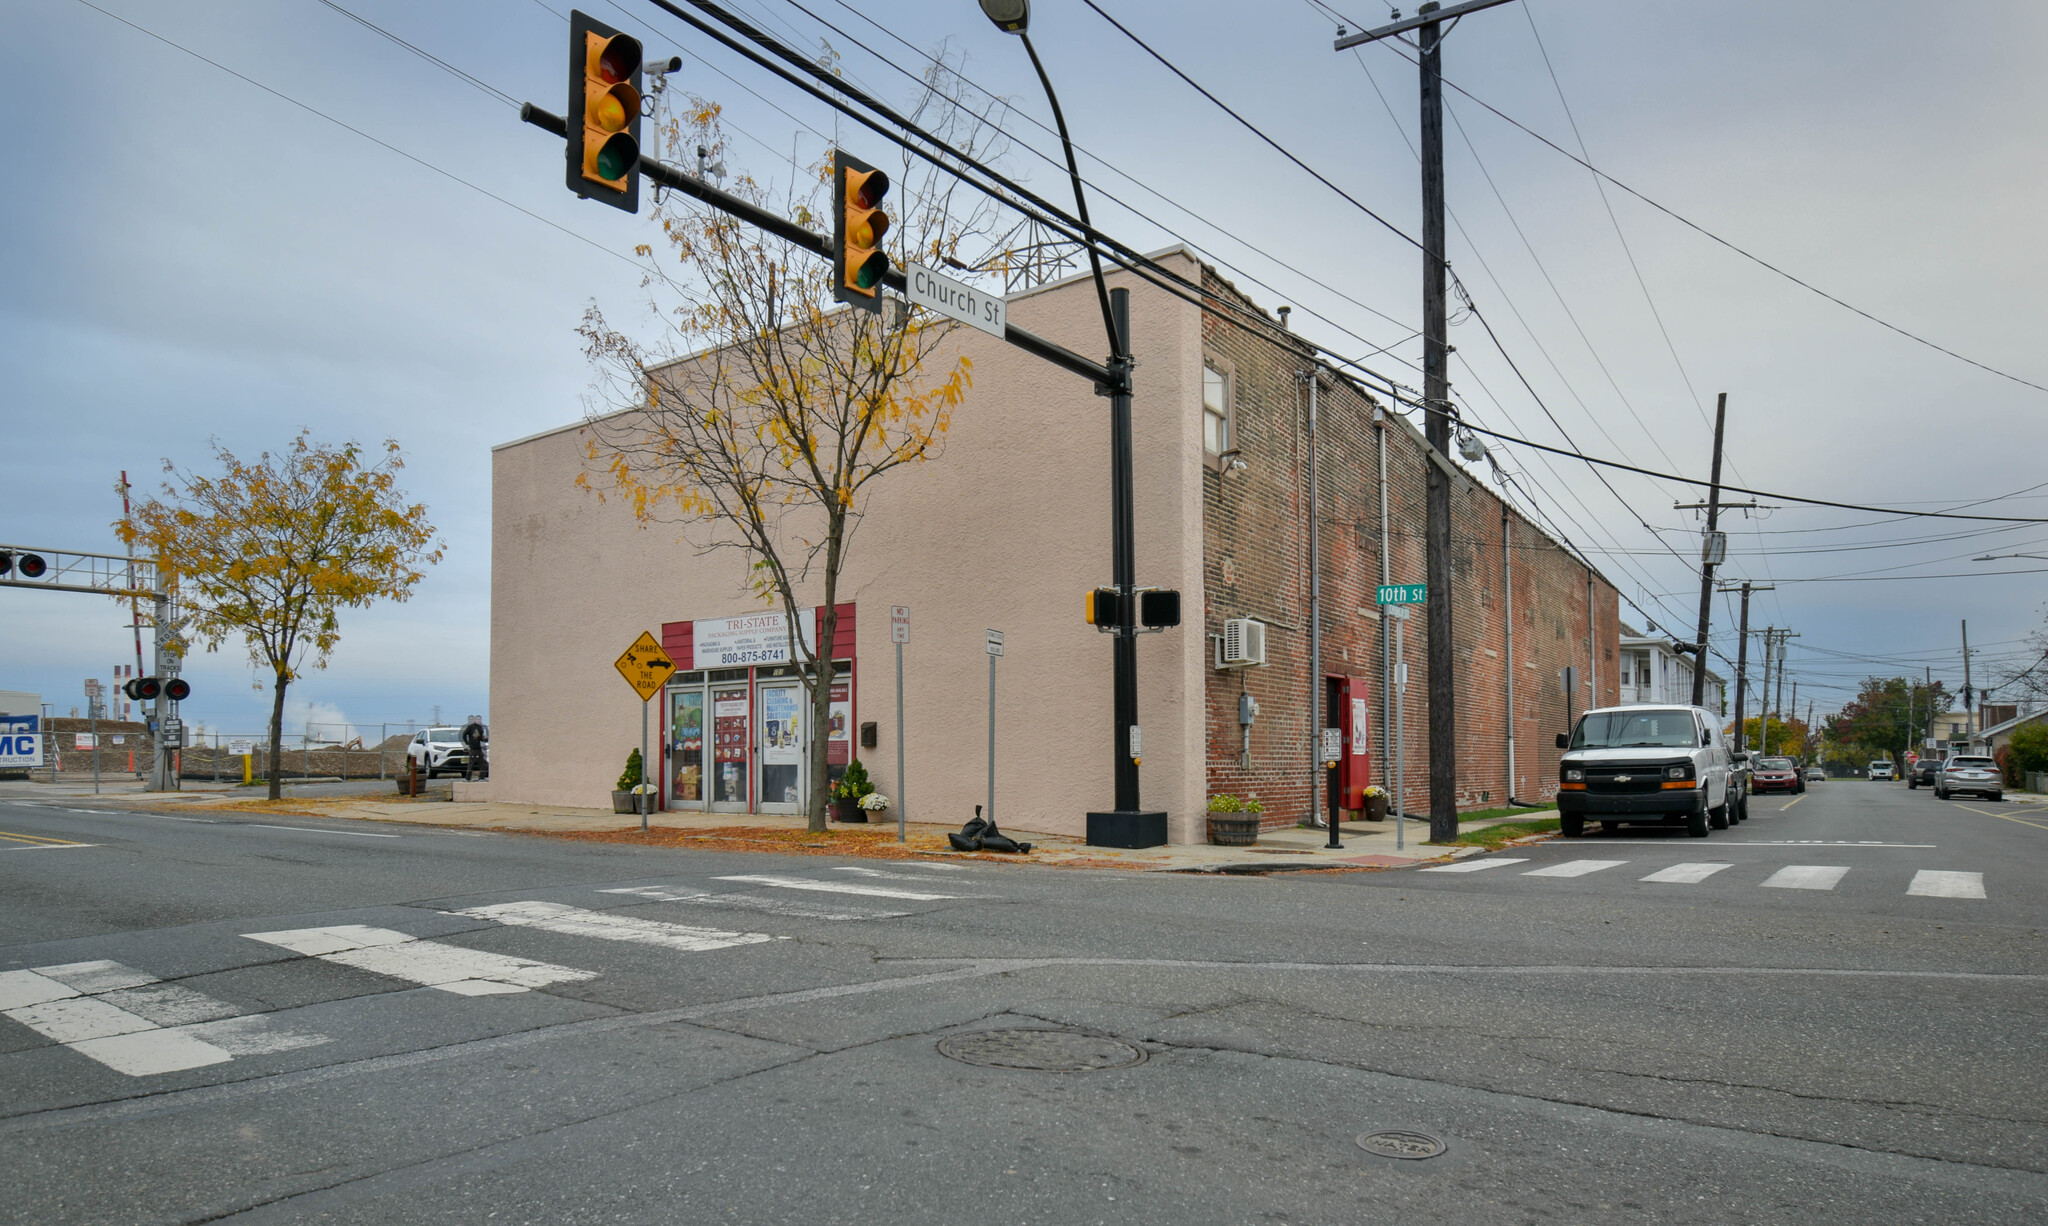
(899, 633)
(995, 648)
(1400, 617)
(646, 667)
(92, 714)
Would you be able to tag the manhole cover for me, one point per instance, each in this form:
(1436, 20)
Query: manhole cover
(1400, 1143)
(1052, 1051)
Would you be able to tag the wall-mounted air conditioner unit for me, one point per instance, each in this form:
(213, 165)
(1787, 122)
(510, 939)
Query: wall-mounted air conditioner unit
(1243, 644)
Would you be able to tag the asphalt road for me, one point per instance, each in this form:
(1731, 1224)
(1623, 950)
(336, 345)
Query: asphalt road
(291, 1020)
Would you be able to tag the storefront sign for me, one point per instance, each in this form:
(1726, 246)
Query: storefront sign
(758, 638)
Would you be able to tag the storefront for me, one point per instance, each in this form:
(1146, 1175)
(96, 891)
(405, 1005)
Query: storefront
(737, 716)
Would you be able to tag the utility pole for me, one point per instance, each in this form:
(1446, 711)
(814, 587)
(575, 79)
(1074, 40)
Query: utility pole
(1763, 702)
(1742, 666)
(1436, 395)
(1712, 549)
(1969, 695)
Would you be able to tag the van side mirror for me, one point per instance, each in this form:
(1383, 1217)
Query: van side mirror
(1564, 740)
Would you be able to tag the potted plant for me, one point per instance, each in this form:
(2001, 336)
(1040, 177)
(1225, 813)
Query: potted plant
(847, 794)
(874, 804)
(1234, 822)
(629, 784)
(1375, 803)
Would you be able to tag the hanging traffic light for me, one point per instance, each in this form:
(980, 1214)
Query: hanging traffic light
(604, 113)
(27, 565)
(859, 264)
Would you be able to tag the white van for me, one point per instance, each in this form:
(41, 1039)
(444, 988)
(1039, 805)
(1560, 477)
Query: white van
(1881, 770)
(1646, 764)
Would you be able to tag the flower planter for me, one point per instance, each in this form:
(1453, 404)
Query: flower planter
(1376, 808)
(622, 802)
(848, 811)
(1235, 830)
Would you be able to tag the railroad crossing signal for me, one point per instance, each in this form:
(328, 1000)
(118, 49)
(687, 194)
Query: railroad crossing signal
(604, 113)
(858, 262)
(145, 689)
(27, 565)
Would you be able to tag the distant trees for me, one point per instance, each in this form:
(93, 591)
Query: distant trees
(1781, 736)
(1889, 715)
(271, 550)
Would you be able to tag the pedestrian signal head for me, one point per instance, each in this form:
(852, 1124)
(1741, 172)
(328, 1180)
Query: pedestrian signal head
(1104, 608)
(604, 113)
(859, 265)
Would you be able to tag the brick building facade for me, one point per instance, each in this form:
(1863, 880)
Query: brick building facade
(1255, 559)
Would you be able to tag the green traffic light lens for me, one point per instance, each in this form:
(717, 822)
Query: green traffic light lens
(872, 270)
(618, 156)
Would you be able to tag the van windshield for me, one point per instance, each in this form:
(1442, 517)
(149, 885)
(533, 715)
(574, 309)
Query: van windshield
(1651, 728)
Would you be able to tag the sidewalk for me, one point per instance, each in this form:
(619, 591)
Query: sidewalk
(1366, 845)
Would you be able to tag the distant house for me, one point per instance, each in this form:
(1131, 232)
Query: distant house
(1994, 738)
(1654, 670)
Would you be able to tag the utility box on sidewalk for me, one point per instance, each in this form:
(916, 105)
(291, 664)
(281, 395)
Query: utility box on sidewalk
(1127, 829)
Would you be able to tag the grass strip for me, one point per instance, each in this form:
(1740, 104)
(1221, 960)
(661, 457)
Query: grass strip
(1493, 838)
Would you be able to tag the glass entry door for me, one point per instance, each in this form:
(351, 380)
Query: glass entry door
(686, 749)
(783, 741)
(730, 738)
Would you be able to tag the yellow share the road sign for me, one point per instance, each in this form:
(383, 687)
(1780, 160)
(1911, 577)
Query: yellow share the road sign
(645, 666)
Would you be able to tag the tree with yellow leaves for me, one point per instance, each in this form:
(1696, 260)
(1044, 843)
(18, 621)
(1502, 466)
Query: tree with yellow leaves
(762, 417)
(270, 551)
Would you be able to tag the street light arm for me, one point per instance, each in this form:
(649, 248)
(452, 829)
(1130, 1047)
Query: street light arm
(1116, 342)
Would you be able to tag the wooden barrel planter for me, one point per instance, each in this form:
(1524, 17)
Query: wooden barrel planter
(1234, 829)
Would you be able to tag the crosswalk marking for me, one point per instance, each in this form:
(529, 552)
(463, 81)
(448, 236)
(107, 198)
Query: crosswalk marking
(132, 1023)
(1473, 866)
(1687, 874)
(450, 968)
(1807, 877)
(1937, 883)
(1574, 868)
(876, 872)
(838, 887)
(577, 921)
(751, 902)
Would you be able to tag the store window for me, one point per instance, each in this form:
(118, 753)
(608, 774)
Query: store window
(686, 743)
(1215, 411)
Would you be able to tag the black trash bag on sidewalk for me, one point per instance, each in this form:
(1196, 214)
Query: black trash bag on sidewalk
(993, 839)
(969, 838)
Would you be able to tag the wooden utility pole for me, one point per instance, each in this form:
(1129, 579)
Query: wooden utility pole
(1763, 702)
(1436, 394)
(1969, 695)
(1713, 547)
(1742, 667)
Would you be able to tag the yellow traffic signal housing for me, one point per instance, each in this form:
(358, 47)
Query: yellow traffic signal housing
(859, 265)
(604, 113)
(1104, 608)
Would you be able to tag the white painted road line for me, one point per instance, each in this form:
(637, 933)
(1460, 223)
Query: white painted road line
(1686, 874)
(606, 926)
(1806, 877)
(1473, 866)
(751, 902)
(1936, 883)
(361, 834)
(451, 968)
(838, 887)
(1574, 868)
(876, 872)
(133, 1024)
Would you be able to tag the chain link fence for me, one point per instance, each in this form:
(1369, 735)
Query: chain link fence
(318, 751)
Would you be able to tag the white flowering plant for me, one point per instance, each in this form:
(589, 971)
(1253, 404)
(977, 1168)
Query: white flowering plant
(874, 802)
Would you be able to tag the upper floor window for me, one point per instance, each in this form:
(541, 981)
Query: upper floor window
(1215, 411)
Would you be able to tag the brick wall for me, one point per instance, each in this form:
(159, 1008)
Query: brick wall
(1255, 533)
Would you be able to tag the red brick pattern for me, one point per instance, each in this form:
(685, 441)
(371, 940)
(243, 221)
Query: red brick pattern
(1255, 553)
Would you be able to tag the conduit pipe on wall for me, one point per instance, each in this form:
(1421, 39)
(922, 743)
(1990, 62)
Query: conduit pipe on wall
(1507, 585)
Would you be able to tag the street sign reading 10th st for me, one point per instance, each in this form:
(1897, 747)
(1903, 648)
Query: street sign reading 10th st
(1404, 593)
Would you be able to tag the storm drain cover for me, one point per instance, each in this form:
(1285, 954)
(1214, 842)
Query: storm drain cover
(1401, 1143)
(1051, 1051)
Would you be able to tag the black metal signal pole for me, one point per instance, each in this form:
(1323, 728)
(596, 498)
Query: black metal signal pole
(1436, 395)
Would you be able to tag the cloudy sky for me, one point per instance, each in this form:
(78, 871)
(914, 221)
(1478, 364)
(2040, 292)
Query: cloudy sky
(229, 220)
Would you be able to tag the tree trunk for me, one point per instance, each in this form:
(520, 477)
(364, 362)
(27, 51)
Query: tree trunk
(277, 737)
(821, 710)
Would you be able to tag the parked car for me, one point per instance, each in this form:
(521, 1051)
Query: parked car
(1923, 772)
(1656, 765)
(1978, 776)
(1776, 775)
(437, 750)
(1815, 774)
(1881, 770)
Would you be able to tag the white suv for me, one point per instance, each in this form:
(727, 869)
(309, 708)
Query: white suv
(1645, 764)
(1881, 770)
(437, 750)
(1978, 775)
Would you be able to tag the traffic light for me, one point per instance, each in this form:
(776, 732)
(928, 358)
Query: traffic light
(859, 264)
(604, 113)
(1105, 608)
(1159, 609)
(27, 565)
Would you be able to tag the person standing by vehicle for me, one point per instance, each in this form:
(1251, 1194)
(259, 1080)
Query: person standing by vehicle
(474, 764)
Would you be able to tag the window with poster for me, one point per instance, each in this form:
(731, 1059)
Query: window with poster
(686, 731)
